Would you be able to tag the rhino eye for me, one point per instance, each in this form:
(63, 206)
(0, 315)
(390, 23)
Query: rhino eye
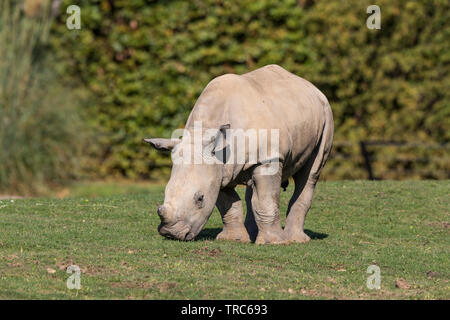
(198, 199)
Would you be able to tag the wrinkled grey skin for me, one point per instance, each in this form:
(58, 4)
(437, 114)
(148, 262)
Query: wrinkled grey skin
(266, 98)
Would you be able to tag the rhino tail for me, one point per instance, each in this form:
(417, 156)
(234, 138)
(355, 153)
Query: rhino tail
(326, 142)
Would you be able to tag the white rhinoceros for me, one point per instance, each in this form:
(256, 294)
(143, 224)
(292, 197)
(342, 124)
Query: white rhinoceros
(235, 107)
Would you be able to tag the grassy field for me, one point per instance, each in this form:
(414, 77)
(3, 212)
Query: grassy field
(402, 227)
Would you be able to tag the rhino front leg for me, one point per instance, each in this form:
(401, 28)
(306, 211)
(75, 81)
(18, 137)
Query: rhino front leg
(230, 208)
(305, 182)
(266, 206)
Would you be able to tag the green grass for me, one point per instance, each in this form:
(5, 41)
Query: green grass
(400, 226)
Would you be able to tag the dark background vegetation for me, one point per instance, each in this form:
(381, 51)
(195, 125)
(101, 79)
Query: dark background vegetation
(136, 68)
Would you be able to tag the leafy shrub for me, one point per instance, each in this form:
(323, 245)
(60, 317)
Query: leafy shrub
(146, 63)
(388, 84)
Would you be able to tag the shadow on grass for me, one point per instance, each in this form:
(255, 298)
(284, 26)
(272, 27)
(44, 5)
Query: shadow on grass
(211, 233)
(315, 235)
(208, 234)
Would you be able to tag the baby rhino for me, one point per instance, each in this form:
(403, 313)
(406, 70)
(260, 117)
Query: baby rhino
(257, 129)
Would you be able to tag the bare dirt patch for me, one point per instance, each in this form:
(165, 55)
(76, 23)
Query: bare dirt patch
(432, 274)
(402, 284)
(91, 270)
(205, 251)
(439, 224)
(9, 197)
(161, 286)
(15, 264)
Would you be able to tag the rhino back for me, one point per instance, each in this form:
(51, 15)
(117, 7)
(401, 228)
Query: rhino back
(266, 98)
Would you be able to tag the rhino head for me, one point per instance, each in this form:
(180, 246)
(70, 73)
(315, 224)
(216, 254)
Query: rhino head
(193, 187)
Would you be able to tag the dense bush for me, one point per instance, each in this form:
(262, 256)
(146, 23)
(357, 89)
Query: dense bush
(39, 125)
(146, 62)
(388, 84)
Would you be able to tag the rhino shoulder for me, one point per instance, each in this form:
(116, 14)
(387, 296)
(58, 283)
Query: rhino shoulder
(225, 81)
(271, 71)
(224, 87)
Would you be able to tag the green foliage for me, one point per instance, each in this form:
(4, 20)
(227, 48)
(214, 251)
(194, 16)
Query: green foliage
(39, 127)
(146, 62)
(388, 84)
(399, 226)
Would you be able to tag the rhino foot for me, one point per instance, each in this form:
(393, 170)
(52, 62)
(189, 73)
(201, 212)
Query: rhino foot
(238, 234)
(299, 237)
(270, 237)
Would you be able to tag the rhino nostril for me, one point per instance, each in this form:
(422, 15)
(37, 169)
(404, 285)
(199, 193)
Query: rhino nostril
(161, 211)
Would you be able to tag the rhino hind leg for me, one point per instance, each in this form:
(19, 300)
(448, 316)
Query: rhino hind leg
(230, 208)
(298, 208)
(305, 181)
(265, 204)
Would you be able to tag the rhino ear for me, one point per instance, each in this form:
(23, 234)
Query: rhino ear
(163, 144)
(224, 128)
(221, 149)
(222, 133)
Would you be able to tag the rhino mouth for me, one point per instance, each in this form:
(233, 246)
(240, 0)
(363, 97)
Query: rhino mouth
(178, 230)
